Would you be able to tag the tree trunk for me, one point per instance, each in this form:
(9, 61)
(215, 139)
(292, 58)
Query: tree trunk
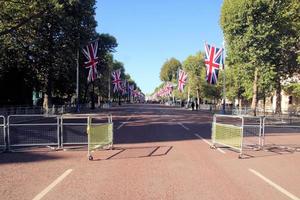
(278, 97)
(188, 97)
(45, 104)
(264, 105)
(255, 87)
(198, 97)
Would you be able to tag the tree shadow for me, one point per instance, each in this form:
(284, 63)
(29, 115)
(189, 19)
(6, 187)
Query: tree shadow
(26, 157)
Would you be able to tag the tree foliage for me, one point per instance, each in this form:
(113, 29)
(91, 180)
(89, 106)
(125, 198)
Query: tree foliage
(41, 43)
(262, 36)
(169, 70)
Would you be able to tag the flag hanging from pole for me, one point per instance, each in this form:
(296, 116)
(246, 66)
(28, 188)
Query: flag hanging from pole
(182, 77)
(124, 87)
(213, 60)
(117, 80)
(90, 52)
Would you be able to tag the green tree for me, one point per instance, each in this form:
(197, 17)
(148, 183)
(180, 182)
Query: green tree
(45, 46)
(262, 40)
(168, 71)
(194, 66)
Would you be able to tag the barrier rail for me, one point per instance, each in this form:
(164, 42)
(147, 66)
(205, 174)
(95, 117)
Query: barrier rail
(2, 133)
(32, 130)
(282, 131)
(74, 128)
(238, 132)
(99, 135)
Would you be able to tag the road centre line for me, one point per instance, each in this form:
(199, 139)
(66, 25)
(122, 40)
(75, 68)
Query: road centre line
(52, 185)
(277, 187)
(209, 143)
(183, 126)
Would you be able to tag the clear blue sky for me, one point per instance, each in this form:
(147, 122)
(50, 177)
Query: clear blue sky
(151, 31)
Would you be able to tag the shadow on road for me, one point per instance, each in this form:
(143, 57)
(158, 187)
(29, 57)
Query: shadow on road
(133, 152)
(26, 157)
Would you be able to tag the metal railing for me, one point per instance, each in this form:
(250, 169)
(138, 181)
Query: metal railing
(73, 129)
(32, 130)
(2, 134)
(238, 132)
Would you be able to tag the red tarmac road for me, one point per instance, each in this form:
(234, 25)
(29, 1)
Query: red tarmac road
(161, 153)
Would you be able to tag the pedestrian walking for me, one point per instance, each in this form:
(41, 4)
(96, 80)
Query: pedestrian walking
(193, 105)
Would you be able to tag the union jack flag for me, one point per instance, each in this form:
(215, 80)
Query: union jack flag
(131, 87)
(117, 80)
(124, 87)
(182, 77)
(213, 60)
(90, 52)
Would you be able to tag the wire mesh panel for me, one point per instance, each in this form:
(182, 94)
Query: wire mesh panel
(282, 133)
(237, 132)
(227, 131)
(32, 130)
(99, 135)
(228, 135)
(2, 133)
(74, 128)
(252, 132)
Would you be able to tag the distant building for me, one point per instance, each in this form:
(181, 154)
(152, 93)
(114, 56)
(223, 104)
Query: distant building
(289, 104)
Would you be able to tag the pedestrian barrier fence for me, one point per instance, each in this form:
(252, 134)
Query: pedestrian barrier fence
(32, 130)
(74, 128)
(282, 131)
(99, 135)
(237, 132)
(2, 133)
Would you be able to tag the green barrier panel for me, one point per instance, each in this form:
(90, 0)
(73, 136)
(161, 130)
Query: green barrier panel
(99, 136)
(228, 135)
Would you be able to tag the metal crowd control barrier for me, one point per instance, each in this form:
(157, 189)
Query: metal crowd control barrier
(99, 135)
(238, 132)
(282, 132)
(73, 128)
(2, 134)
(32, 130)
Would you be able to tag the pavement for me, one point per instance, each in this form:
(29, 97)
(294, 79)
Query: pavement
(160, 152)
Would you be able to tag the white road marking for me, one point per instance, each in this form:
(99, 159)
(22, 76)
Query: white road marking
(209, 143)
(183, 126)
(122, 124)
(279, 188)
(52, 185)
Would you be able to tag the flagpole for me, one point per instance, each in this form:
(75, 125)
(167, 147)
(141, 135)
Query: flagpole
(77, 80)
(109, 85)
(224, 79)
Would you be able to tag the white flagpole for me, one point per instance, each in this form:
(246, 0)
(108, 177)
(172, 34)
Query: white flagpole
(224, 78)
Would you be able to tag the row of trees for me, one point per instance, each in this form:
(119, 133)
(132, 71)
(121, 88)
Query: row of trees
(41, 44)
(262, 50)
(196, 86)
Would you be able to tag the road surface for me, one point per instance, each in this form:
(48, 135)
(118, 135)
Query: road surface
(160, 152)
